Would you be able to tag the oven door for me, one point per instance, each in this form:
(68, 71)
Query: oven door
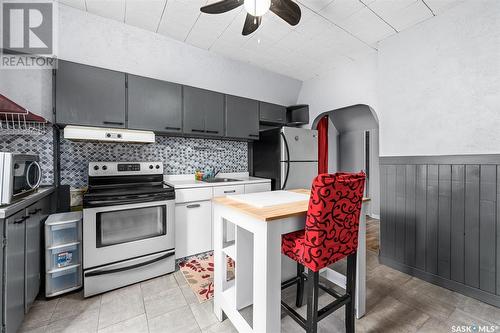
(115, 233)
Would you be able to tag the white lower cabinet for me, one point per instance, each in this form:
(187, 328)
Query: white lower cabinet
(260, 187)
(193, 216)
(193, 228)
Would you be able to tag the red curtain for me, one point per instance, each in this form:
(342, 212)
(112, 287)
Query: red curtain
(323, 145)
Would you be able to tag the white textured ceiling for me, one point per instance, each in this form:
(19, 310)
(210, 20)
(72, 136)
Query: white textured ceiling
(330, 33)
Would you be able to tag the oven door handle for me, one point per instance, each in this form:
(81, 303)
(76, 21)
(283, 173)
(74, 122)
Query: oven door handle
(121, 269)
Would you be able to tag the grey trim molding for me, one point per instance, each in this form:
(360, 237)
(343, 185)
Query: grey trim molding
(441, 159)
(445, 283)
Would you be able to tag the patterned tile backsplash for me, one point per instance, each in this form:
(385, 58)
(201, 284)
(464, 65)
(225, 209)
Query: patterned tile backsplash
(41, 145)
(179, 155)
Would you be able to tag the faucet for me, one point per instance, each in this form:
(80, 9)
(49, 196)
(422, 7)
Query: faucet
(214, 173)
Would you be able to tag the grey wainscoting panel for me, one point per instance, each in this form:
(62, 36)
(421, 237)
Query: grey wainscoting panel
(440, 220)
(411, 174)
(472, 225)
(487, 228)
(431, 262)
(383, 209)
(444, 221)
(498, 232)
(457, 222)
(420, 216)
(391, 210)
(400, 217)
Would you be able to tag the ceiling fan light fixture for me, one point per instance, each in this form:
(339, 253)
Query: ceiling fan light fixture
(257, 7)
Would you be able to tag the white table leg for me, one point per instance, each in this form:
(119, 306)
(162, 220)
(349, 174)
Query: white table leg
(219, 262)
(360, 301)
(267, 279)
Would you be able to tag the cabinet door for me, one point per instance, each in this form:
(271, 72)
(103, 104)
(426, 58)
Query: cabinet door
(222, 191)
(203, 112)
(88, 95)
(193, 228)
(259, 187)
(242, 118)
(36, 214)
(272, 113)
(154, 105)
(14, 272)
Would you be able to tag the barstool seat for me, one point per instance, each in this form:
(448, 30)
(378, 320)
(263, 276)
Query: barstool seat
(330, 234)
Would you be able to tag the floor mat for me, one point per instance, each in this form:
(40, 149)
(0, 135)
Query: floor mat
(198, 270)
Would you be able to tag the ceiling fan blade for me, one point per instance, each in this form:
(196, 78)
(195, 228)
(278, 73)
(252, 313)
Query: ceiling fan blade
(288, 10)
(251, 24)
(221, 6)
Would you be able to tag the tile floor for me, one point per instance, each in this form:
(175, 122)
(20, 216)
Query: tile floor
(396, 303)
(372, 234)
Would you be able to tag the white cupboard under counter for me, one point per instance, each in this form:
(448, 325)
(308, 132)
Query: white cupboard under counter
(193, 207)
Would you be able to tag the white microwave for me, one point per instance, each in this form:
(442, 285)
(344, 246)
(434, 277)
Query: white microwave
(20, 174)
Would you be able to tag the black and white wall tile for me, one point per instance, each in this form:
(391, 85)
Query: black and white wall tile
(41, 145)
(179, 155)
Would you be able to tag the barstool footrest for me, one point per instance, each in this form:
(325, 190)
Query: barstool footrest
(290, 282)
(333, 306)
(331, 292)
(294, 315)
(322, 313)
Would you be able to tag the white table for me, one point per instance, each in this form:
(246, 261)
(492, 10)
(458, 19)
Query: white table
(257, 253)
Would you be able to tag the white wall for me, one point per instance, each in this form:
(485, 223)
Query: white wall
(434, 87)
(92, 40)
(352, 83)
(439, 84)
(30, 88)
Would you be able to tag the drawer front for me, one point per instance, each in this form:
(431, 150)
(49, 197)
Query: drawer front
(260, 187)
(193, 194)
(222, 191)
(193, 228)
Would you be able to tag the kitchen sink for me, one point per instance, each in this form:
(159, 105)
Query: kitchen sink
(221, 180)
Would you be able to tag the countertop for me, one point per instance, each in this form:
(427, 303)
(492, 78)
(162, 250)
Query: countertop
(188, 181)
(271, 213)
(7, 210)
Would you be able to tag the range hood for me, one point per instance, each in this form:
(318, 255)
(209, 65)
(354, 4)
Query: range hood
(80, 133)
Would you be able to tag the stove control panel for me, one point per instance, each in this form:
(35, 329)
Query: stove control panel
(129, 167)
(124, 168)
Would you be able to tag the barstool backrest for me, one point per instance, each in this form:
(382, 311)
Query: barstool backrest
(332, 223)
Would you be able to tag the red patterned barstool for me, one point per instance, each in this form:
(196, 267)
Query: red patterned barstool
(330, 234)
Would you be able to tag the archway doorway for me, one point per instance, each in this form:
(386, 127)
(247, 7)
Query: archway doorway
(353, 145)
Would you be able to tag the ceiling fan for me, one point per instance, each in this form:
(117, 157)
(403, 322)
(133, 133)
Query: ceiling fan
(288, 10)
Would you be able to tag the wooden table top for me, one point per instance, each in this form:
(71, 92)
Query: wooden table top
(271, 213)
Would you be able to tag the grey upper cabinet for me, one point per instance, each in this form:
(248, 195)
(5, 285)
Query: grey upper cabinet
(14, 271)
(88, 95)
(203, 112)
(272, 113)
(154, 105)
(242, 118)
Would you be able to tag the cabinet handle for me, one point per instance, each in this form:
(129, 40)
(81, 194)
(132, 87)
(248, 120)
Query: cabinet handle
(213, 132)
(173, 128)
(232, 191)
(253, 135)
(20, 220)
(112, 123)
(197, 130)
(34, 211)
(193, 206)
